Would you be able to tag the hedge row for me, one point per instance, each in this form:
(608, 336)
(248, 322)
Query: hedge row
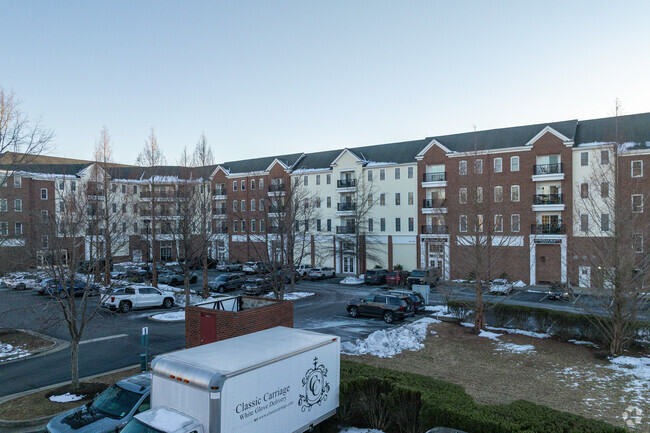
(563, 324)
(399, 402)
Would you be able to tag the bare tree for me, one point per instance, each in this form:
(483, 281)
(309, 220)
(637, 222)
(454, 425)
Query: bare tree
(204, 159)
(613, 227)
(152, 158)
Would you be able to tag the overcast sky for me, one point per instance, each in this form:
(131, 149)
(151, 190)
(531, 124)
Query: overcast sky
(270, 77)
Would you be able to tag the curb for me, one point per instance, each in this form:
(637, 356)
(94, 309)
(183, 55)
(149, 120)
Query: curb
(56, 346)
(34, 422)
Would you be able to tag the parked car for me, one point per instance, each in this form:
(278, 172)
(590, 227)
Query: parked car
(251, 267)
(226, 282)
(75, 287)
(388, 307)
(109, 411)
(256, 286)
(321, 273)
(130, 297)
(303, 270)
(119, 272)
(229, 267)
(175, 276)
(428, 277)
(44, 284)
(418, 300)
(559, 292)
(288, 274)
(375, 276)
(21, 282)
(500, 286)
(397, 278)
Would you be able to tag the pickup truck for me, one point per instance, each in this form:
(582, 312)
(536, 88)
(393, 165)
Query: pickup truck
(130, 297)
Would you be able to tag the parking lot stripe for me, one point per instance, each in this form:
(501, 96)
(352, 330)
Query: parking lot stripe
(110, 337)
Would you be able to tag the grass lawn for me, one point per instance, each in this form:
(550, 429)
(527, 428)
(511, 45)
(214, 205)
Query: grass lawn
(560, 375)
(22, 344)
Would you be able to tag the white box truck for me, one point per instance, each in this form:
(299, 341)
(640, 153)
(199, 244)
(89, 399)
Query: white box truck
(280, 380)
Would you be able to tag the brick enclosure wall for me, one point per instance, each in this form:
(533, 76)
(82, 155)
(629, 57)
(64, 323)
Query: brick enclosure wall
(231, 324)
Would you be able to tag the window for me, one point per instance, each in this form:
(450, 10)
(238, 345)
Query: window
(235, 226)
(329, 225)
(584, 159)
(398, 199)
(234, 185)
(411, 224)
(604, 189)
(18, 205)
(261, 204)
(135, 227)
(584, 190)
(462, 168)
(397, 173)
(305, 203)
(18, 229)
(4, 228)
(44, 215)
(43, 193)
(123, 207)
(318, 225)
(370, 200)
(124, 227)
(637, 168)
(382, 199)
(398, 224)
(61, 206)
(123, 189)
(637, 203)
(409, 172)
(305, 181)
(114, 207)
(243, 206)
(261, 225)
(604, 222)
(318, 179)
(514, 163)
(113, 188)
(243, 187)
(253, 206)
(478, 166)
(637, 242)
(318, 202)
(479, 194)
(514, 223)
(462, 195)
(73, 187)
(45, 241)
(18, 182)
(410, 198)
(604, 157)
(462, 224)
(382, 224)
(371, 225)
(514, 193)
(498, 194)
(479, 223)
(252, 184)
(382, 174)
(584, 223)
(234, 205)
(3, 205)
(498, 223)
(328, 179)
(498, 165)
(260, 183)
(253, 225)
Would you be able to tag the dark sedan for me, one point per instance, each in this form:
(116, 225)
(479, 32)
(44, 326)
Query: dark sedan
(375, 276)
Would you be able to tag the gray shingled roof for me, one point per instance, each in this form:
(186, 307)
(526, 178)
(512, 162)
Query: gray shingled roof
(631, 128)
(316, 160)
(67, 169)
(503, 137)
(400, 153)
(259, 164)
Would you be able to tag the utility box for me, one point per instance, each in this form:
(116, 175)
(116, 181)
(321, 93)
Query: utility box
(423, 290)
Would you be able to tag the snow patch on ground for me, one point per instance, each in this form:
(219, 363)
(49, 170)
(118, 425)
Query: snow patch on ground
(65, 398)
(520, 332)
(491, 335)
(583, 343)
(359, 430)
(170, 317)
(352, 280)
(291, 296)
(388, 343)
(516, 348)
(9, 352)
(637, 371)
(519, 284)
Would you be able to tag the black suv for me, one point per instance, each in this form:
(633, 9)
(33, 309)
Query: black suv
(388, 307)
(226, 282)
(417, 299)
(375, 276)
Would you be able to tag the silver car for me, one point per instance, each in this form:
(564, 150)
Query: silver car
(109, 411)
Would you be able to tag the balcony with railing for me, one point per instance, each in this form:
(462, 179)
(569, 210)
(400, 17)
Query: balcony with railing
(543, 172)
(434, 205)
(221, 229)
(159, 194)
(345, 208)
(346, 185)
(275, 210)
(548, 202)
(548, 229)
(219, 193)
(277, 189)
(434, 179)
(219, 212)
(436, 229)
(346, 230)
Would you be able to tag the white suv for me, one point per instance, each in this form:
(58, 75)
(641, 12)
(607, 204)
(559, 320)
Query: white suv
(303, 270)
(321, 273)
(500, 287)
(137, 297)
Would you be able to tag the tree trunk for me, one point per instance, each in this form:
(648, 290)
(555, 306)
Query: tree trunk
(74, 363)
(479, 321)
(186, 284)
(206, 289)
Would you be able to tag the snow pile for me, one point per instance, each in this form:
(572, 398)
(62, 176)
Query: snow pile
(638, 372)
(9, 352)
(291, 296)
(352, 280)
(583, 343)
(520, 332)
(66, 398)
(519, 284)
(388, 343)
(176, 316)
(515, 348)
(491, 335)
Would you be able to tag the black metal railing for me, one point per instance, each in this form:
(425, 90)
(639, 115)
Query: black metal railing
(548, 199)
(221, 229)
(547, 229)
(219, 211)
(434, 177)
(219, 191)
(276, 209)
(547, 168)
(346, 206)
(346, 183)
(434, 203)
(438, 229)
(276, 187)
(345, 230)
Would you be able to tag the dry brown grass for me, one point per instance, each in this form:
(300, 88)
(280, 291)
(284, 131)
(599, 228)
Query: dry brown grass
(37, 405)
(560, 375)
(22, 340)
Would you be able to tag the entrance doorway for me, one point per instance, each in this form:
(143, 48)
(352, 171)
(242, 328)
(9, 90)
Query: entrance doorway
(349, 265)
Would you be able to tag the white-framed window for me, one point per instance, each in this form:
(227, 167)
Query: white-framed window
(382, 224)
(318, 179)
(114, 207)
(637, 242)
(382, 174)
(370, 200)
(73, 187)
(584, 223)
(498, 223)
(398, 199)
(44, 215)
(234, 205)
(604, 222)
(261, 204)
(18, 205)
(369, 175)
(398, 224)
(409, 172)
(411, 224)
(371, 225)
(329, 202)
(514, 163)
(498, 194)
(305, 181)
(317, 202)
(462, 195)
(604, 157)
(636, 168)
(235, 226)
(3, 205)
(253, 225)
(243, 187)
(479, 194)
(18, 182)
(382, 199)
(498, 165)
(261, 226)
(479, 223)
(398, 173)
(462, 168)
(253, 206)
(328, 178)
(515, 222)
(478, 166)
(637, 203)
(514, 193)
(234, 185)
(243, 207)
(319, 227)
(123, 189)
(584, 190)
(61, 206)
(18, 229)
(410, 198)
(43, 193)
(584, 159)
(604, 189)
(462, 224)
(4, 228)
(252, 184)
(329, 225)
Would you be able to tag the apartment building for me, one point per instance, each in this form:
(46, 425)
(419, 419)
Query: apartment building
(416, 203)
